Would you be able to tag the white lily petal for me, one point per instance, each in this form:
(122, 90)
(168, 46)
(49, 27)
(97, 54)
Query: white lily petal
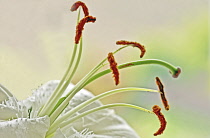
(8, 112)
(39, 97)
(11, 108)
(60, 134)
(82, 96)
(85, 133)
(25, 128)
(72, 133)
(4, 93)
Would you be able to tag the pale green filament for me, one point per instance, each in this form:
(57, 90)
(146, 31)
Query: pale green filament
(172, 68)
(71, 75)
(54, 97)
(84, 104)
(63, 102)
(56, 104)
(50, 104)
(89, 78)
(66, 123)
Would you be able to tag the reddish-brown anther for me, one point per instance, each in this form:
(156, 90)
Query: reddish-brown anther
(76, 5)
(176, 75)
(113, 67)
(80, 27)
(156, 110)
(162, 94)
(134, 44)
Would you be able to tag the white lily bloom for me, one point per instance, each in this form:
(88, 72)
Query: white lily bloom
(104, 123)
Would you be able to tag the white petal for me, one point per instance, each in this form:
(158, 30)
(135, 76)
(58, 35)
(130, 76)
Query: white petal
(60, 134)
(8, 112)
(4, 93)
(41, 95)
(81, 97)
(25, 128)
(72, 133)
(11, 108)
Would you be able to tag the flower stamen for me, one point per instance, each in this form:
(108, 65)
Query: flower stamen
(176, 74)
(76, 5)
(162, 94)
(172, 68)
(113, 67)
(80, 27)
(134, 44)
(156, 110)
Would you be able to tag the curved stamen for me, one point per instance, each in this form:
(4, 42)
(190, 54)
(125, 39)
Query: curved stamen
(162, 94)
(172, 69)
(66, 123)
(134, 44)
(80, 27)
(156, 110)
(76, 5)
(113, 67)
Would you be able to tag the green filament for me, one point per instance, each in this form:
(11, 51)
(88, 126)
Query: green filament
(172, 68)
(70, 77)
(66, 123)
(77, 88)
(105, 94)
(50, 104)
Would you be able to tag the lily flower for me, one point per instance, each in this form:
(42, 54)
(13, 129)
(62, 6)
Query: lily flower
(59, 109)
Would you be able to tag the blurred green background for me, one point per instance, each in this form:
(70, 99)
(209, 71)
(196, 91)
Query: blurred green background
(36, 40)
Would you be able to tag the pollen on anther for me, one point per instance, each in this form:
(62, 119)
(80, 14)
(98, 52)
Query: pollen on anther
(80, 27)
(156, 110)
(176, 75)
(162, 94)
(113, 67)
(76, 5)
(134, 44)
